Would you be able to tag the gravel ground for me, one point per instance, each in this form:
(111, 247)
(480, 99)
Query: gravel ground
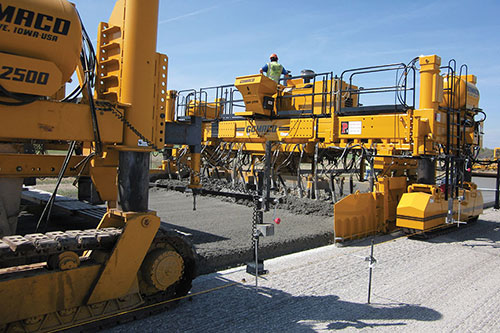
(448, 283)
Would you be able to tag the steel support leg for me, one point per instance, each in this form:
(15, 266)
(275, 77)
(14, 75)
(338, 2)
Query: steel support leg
(497, 192)
(426, 171)
(133, 181)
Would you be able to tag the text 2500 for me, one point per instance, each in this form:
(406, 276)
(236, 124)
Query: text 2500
(24, 75)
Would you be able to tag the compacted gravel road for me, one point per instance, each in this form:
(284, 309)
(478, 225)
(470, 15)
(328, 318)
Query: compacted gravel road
(448, 283)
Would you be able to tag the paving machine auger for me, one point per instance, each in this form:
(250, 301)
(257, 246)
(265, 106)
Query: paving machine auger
(419, 158)
(60, 279)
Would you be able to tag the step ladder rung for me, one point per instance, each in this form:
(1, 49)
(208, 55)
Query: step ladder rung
(110, 46)
(111, 30)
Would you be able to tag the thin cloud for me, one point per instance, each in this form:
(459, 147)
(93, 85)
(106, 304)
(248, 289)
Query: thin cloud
(196, 12)
(180, 17)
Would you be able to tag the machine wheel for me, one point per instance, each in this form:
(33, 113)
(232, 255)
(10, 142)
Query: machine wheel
(169, 267)
(64, 261)
(162, 268)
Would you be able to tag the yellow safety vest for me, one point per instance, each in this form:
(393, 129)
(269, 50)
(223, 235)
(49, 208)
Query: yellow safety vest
(274, 70)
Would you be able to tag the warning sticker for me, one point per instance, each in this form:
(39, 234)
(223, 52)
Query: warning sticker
(350, 127)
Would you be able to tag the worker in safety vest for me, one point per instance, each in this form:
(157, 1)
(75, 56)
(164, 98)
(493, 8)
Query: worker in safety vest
(273, 69)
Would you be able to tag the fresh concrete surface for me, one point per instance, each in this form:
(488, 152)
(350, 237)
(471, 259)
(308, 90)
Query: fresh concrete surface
(447, 284)
(221, 230)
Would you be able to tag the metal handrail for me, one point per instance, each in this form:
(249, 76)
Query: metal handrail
(397, 88)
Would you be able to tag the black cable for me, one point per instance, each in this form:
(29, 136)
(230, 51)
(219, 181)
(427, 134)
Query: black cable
(22, 99)
(95, 124)
(404, 74)
(50, 203)
(483, 113)
(89, 60)
(83, 163)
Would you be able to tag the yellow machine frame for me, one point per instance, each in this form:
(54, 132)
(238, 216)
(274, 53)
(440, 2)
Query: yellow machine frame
(400, 138)
(130, 104)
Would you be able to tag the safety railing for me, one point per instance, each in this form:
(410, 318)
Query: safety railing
(403, 88)
(308, 94)
(210, 103)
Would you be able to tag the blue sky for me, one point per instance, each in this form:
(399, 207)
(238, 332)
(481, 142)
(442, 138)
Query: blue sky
(211, 42)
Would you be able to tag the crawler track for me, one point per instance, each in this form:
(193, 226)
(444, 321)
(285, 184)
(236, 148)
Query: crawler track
(437, 231)
(37, 248)
(31, 248)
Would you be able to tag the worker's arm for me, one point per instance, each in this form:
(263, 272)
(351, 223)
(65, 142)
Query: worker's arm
(263, 69)
(285, 73)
